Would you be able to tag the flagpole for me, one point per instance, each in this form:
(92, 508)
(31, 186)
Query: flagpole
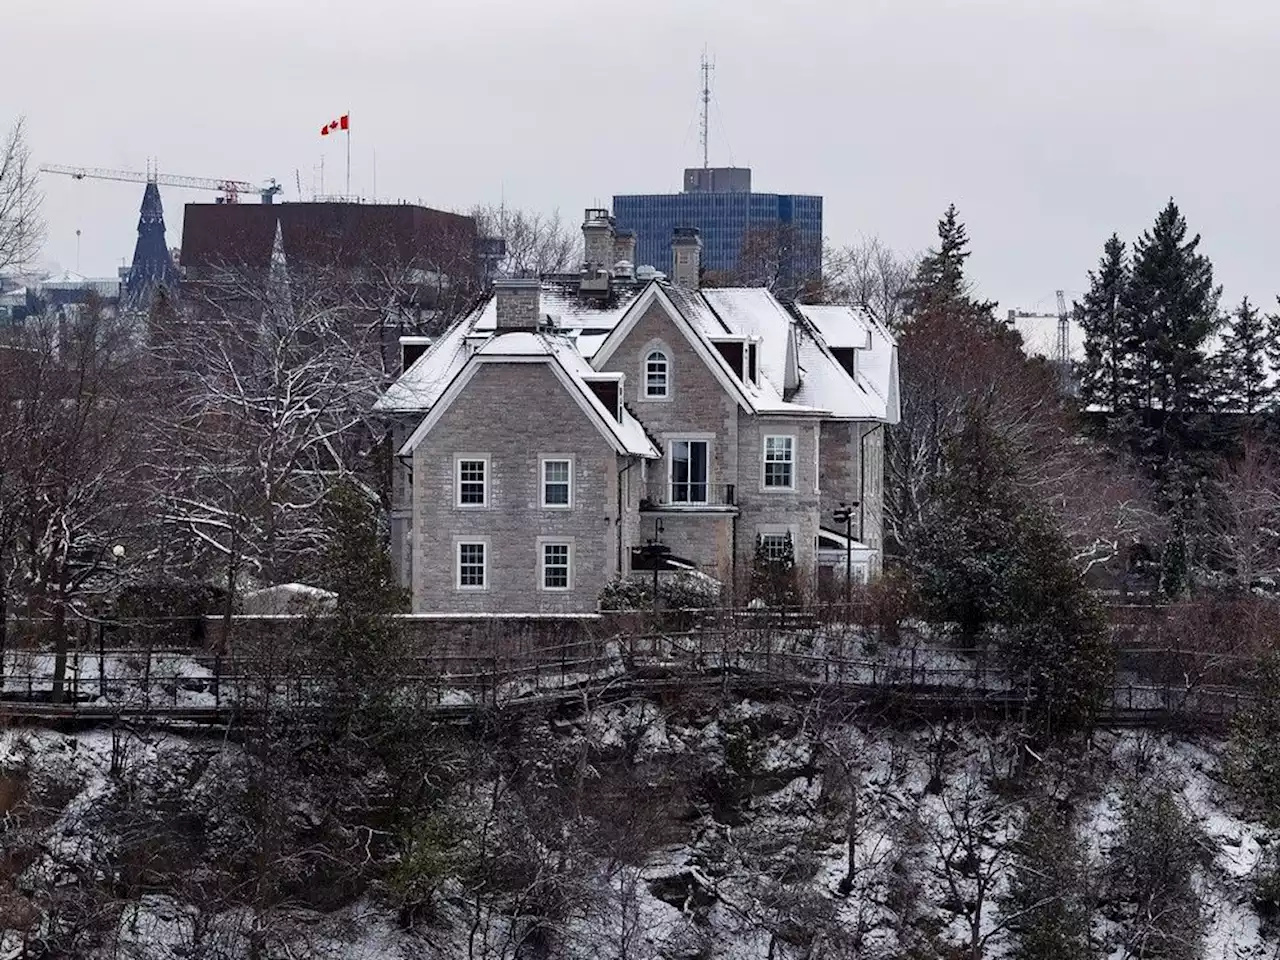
(348, 156)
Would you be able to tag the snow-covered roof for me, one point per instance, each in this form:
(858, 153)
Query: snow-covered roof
(876, 363)
(576, 328)
(432, 385)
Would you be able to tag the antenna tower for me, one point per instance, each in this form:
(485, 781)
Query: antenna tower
(707, 67)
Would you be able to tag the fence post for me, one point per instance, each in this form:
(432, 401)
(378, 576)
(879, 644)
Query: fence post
(102, 660)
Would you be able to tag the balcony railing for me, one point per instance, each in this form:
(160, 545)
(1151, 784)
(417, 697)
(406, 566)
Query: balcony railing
(692, 495)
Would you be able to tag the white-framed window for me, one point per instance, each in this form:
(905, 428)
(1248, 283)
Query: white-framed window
(780, 463)
(472, 564)
(657, 375)
(556, 564)
(557, 482)
(471, 473)
(689, 471)
(775, 545)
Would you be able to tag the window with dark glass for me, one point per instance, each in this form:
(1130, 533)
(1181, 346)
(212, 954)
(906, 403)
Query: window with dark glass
(472, 477)
(779, 462)
(689, 471)
(656, 375)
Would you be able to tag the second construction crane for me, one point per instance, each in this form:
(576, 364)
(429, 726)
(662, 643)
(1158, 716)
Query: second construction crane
(231, 190)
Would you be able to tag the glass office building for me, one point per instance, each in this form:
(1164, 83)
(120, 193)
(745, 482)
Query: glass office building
(725, 220)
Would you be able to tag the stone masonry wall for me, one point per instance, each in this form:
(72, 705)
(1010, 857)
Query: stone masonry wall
(771, 510)
(513, 413)
(697, 406)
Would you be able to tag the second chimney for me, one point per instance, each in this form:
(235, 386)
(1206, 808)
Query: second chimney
(686, 257)
(517, 304)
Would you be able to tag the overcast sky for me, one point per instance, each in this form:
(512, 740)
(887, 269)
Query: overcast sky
(1050, 123)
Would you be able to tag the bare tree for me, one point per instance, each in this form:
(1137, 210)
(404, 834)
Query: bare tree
(21, 228)
(869, 273)
(264, 391)
(536, 243)
(71, 465)
(1242, 524)
(971, 853)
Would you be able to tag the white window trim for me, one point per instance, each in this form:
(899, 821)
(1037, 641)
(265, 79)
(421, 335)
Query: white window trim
(458, 458)
(764, 447)
(543, 460)
(781, 530)
(543, 543)
(648, 351)
(458, 543)
(671, 463)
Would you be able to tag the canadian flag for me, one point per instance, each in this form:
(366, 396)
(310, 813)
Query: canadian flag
(342, 123)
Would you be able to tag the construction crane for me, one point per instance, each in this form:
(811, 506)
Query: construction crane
(1062, 349)
(231, 190)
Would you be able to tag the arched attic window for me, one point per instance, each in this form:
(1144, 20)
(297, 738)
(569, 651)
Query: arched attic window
(657, 375)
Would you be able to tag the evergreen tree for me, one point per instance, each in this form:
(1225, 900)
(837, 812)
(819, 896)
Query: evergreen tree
(987, 558)
(1172, 302)
(1049, 889)
(361, 644)
(1106, 329)
(940, 283)
(968, 537)
(773, 578)
(1272, 349)
(1243, 386)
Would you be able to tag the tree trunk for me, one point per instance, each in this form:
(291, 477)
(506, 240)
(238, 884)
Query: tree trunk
(4, 619)
(228, 604)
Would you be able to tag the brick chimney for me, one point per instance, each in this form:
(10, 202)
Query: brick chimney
(624, 247)
(597, 240)
(686, 257)
(517, 304)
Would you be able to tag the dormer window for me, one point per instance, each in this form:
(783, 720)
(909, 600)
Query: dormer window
(753, 363)
(657, 376)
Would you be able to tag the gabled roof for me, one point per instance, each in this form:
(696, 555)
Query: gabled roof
(626, 435)
(658, 292)
(799, 374)
(826, 380)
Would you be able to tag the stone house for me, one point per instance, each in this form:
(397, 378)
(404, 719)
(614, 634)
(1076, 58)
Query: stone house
(546, 438)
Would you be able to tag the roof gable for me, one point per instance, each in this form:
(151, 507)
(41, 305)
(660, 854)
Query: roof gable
(626, 437)
(710, 356)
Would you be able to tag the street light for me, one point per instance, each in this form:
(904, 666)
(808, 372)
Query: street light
(655, 550)
(844, 514)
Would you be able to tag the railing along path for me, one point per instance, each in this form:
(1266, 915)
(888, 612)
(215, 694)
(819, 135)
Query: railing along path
(183, 685)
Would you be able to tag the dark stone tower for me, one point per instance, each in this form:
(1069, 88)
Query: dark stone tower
(152, 267)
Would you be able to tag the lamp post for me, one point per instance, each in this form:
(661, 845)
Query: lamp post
(655, 550)
(844, 514)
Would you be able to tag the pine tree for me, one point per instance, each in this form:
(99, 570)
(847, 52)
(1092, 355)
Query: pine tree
(1272, 349)
(1243, 386)
(1106, 332)
(361, 643)
(940, 283)
(1173, 305)
(967, 539)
